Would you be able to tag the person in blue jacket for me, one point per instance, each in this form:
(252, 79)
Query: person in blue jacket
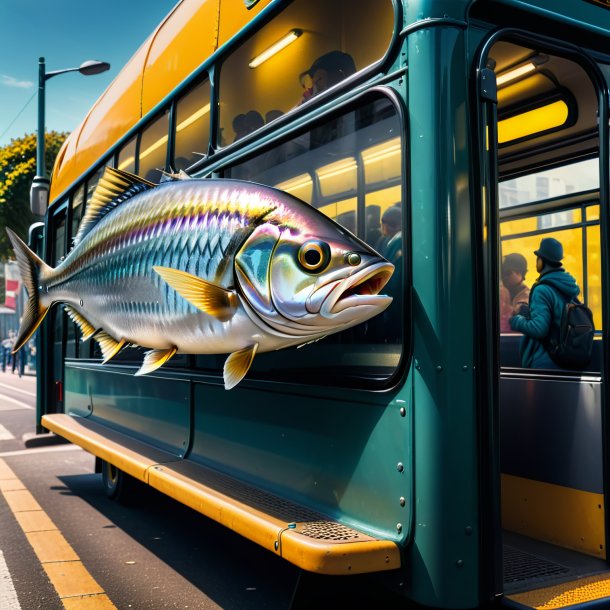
(552, 290)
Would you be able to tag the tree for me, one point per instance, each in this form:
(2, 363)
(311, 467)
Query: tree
(17, 170)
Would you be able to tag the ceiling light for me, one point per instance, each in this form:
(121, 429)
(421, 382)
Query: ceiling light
(275, 48)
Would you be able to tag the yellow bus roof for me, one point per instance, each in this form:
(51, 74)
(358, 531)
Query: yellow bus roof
(191, 32)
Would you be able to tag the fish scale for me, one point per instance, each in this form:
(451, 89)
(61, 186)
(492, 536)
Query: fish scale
(204, 267)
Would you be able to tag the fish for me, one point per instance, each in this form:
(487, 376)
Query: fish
(203, 266)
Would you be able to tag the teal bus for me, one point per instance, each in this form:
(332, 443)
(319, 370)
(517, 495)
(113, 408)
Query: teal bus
(415, 446)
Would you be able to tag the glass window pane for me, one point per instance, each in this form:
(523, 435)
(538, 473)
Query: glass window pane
(594, 275)
(330, 172)
(192, 126)
(592, 213)
(127, 157)
(571, 240)
(153, 149)
(308, 48)
(92, 183)
(78, 208)
(573, 178)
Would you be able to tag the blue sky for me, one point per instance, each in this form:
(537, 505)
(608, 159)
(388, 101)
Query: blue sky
(65, 33)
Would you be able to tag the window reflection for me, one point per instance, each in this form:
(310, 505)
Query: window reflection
(350, 169)
(309, 48)
(192, 126)
(153, 149)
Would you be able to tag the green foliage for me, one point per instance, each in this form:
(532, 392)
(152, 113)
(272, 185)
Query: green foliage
(17, 170)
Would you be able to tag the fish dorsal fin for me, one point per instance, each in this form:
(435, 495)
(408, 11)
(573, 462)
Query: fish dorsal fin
(237, 365)
(109, 345)
(114, 187)
(86, 328)
(212, 299)
(155, 359)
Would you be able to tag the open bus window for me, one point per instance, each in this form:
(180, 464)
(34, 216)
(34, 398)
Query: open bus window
(307, 49)
(192, 126)
(153, 149)
(349, 168)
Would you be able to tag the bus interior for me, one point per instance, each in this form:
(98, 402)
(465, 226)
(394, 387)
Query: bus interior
(550, 421)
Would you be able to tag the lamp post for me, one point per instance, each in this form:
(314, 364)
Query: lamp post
(39, 192)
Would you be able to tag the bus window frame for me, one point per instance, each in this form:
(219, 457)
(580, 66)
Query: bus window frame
(328, 96)
(344, 106)
(344, 90)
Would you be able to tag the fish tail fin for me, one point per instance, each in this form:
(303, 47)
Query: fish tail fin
(30, 267)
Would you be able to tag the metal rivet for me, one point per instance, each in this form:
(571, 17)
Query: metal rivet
(402, 501)
(81, 302)
(468, 530)
(465, 367)
(353, 259)
(292, 525)
(403, 411)
(399, 527)
(400, 467)
(459, 563)
(276, 545)
(439, 368)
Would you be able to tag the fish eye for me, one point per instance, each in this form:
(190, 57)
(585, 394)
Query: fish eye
(314, 255)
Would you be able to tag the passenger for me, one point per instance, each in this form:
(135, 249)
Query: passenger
(254, 121)
(326, 71)
(391, 234)
(514, 268)
(272, 115)
(239, 127)
(553, 288)
(506, 309)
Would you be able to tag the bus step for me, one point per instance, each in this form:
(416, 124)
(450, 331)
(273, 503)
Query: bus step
(589, 592)
(307, 539)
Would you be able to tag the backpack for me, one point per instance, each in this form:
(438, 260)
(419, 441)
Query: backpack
(570, 343)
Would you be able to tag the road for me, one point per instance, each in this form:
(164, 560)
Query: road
(156, 554)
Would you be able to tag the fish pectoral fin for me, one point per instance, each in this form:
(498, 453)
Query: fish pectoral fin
(209, 298)
(109, 345)
(237, 365)
(155, 359)
(86, 329)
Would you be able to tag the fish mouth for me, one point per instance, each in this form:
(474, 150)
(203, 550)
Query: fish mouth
(362, 288)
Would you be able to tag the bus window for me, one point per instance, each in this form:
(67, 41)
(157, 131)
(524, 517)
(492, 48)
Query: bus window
(308, 48)
(127, 156)
(78, 207)
(92, 183)
(348, 167)
(153, 149)
(192, 126)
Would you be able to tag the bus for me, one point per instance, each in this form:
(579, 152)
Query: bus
(415, 447)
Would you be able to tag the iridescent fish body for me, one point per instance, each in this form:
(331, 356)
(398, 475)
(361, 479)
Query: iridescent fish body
(204, 267)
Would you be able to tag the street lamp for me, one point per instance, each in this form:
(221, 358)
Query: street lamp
(39, 192)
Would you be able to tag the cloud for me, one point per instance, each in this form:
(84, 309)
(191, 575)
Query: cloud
(11, 81)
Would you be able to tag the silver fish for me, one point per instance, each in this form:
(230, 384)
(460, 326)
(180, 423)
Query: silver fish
(204, 267)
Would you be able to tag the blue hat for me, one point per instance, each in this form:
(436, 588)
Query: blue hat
(550, 250)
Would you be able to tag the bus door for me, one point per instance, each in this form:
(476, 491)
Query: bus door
(541, 143)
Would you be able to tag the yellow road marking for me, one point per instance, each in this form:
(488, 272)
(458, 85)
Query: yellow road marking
(89, 602)
(21, 500)
(34, 521)
(71, 578)
(51, 546)
(77, 589)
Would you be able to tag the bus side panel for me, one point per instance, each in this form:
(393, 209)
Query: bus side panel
(152, 409)
(552, 477)
(339, 458)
